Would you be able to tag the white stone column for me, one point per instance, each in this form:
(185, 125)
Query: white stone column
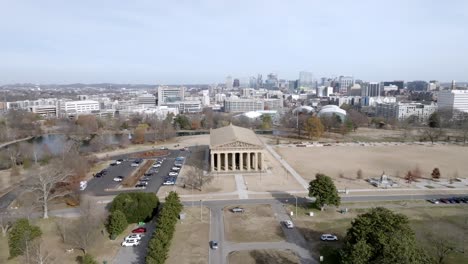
(256, 161)
(226, 164)
(262, 159)
(248, 161)
(241, 161)
(212, 161)
(233, 161)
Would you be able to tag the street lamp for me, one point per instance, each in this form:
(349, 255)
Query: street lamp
(296, 205)
(201, 211)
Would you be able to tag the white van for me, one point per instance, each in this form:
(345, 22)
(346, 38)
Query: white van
(83, 185)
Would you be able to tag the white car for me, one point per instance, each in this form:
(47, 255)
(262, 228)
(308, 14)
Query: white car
(328, 237)
(168, 182)
(288, 224)
(130, 243)
(157, 165)
(117, 162)
(134, 164)
(175, 168)
(173, 174)
(118, 178)
(134, 236)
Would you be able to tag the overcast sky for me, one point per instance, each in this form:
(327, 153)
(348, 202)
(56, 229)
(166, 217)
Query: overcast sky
(45, 41)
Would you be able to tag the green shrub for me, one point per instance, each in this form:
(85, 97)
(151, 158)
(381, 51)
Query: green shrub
(137, 207)
(117, 223)
(20, 234)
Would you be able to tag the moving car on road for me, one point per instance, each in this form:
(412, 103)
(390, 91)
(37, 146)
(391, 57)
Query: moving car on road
(288, 224)
(328, 237)
(119, 178)
(130, 243)
(237, 210)
(213, 244)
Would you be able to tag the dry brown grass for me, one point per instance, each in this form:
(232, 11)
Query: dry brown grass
(131, 180)
(373, 160)
(190, 242)
(263, 257)
(256, 224)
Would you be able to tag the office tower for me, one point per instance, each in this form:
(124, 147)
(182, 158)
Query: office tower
(345, 82)
(259, 81)
(205, 97)
(229, 82)
(236, 83)
(271, 82)
(170, 94)
(305, 79)
(146, 100)
(453, 100)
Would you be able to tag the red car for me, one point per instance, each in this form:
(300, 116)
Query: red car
(139, 230)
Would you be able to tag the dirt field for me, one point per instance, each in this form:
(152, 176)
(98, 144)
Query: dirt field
(256, 224)
(444, 222)
(263, 257)
(394, 160)
(190, 242)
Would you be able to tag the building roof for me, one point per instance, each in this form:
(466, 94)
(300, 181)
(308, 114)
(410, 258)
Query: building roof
(230, 134)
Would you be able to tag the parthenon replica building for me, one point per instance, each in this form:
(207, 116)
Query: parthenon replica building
(234, 149)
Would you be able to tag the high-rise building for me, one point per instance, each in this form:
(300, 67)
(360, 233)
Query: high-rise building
(259, 81)
(453, 100)
(305, 79)
(345, 82)
(205, 97)
(229, 82)
(170, 94)
(252, 82)
(371, 89)
(236, 83)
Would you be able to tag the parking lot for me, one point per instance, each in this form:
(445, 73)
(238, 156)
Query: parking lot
(105, 185)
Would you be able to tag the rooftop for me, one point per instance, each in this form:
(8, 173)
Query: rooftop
(231, 133)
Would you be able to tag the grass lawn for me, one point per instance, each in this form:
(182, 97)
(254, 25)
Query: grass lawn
(429, 222)
(263, 257)
(256, 224)
(190, 242)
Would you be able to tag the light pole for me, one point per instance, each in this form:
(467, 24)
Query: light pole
(201, 211)
(296, 205)
(192, 194)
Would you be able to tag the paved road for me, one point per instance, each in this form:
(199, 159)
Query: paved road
(294, 239)
(135, 255)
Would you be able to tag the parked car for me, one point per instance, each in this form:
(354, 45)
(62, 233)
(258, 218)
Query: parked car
(157, 165)
(443, 200)
(119, 178)
(120, 160)
(237, 210)
(175, 169)
(130, 243)
(134, 164)
(146, 178)
(434, 201)
(134, 236)
(214, 244)
(140, 185)
(163, 148)
(288, 224)
(139, 230)
(145, 183)
(98, 175)
(168, 182)
(172, 173)
(328, 237)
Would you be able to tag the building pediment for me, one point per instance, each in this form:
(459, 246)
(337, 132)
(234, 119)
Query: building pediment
(237, 145)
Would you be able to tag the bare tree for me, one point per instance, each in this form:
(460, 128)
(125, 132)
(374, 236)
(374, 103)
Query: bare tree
(432, 133)
(441, 248)
(195, 178)
(39, 254)
(45, 183)
(84, 232)
(6, 221)
(413, 175)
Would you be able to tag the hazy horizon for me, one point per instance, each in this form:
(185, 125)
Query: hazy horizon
(180, 42)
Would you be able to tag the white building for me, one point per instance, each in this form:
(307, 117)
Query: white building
(170, 94)
(330, 110)
(205, 97)
(185, 107)
(229, 82)
(403, 111)
(243, 105)
(305, 79)
(219, 98)
(373, 101)
(146, 100)
(273, 103)
(453, 100)
(75, 108)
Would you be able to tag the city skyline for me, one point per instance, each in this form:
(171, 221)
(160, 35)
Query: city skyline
(181, 42)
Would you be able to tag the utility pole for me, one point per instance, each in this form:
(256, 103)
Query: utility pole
(201, 211)
(296, 205)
